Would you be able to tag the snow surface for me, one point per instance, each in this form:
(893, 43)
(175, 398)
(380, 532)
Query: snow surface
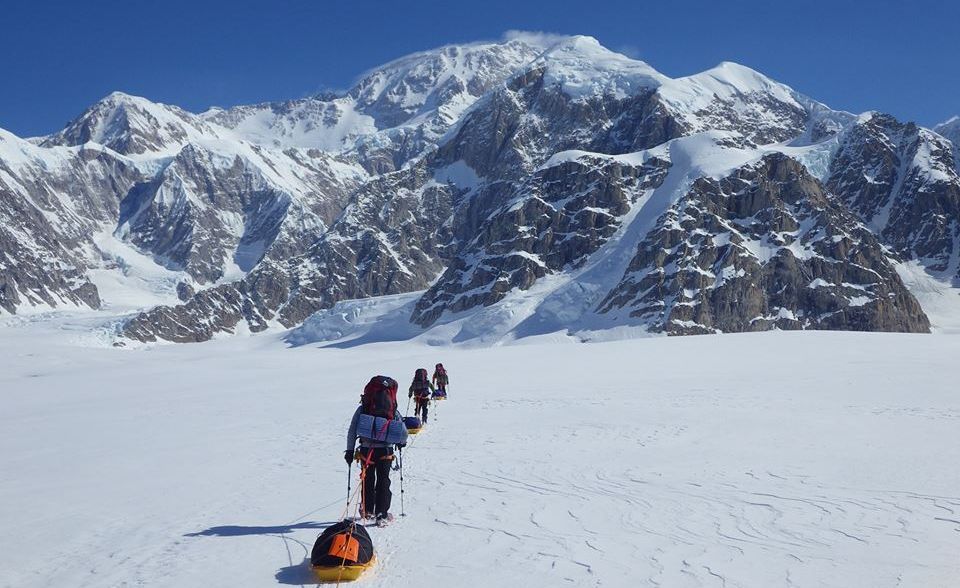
(772, 459)
(131, 280)
(939, 297)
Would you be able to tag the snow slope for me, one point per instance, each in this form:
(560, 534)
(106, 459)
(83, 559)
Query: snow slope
(773, 459)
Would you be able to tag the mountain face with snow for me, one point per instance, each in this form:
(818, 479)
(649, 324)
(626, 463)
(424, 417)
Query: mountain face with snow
(528, 186)
(53, 200)
(902, 181)
(766, 246)
(951, 130)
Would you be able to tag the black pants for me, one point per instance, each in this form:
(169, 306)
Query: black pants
(422, 403)
(376, 463)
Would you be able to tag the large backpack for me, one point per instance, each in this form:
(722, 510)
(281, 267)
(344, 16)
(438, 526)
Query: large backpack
(421, 382)
(440, 375)
(380, 397)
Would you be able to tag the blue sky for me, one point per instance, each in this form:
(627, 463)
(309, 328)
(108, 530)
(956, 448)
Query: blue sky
(60, 56)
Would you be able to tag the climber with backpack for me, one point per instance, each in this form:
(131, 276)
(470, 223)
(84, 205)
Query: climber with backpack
(420, 390)
(379, 426)
(440, 380)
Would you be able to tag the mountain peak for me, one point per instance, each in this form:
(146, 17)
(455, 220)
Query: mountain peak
(582, 68)
(580, 43)
(951, 125)
(729, 77)
(118, 99)
(130, 125)
(732, 69)
(117, 96)
(950, 129)
(452, 76)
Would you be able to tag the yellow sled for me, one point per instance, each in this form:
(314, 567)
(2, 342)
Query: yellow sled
(342, 573)
(414, 431)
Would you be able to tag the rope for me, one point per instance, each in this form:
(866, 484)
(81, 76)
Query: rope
(346, 510)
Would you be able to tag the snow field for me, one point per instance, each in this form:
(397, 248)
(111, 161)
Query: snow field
(773, 459)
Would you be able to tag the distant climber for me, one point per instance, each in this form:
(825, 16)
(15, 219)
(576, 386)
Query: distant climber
(420, 390)
(379, 426)
(440, 380)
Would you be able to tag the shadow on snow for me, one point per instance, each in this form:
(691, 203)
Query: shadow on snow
(238, 531)
(297, 575)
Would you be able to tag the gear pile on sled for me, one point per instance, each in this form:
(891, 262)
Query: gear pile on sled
(413, 424)
(342, 552)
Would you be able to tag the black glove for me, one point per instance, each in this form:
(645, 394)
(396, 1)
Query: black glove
(348, 456)
(400, 445)
(409, 394)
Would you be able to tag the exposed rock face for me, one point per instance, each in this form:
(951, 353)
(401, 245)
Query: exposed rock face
(204, 213)
(764, 247)
(188, 197)
(553, 220)
(902, 181)
(474, 173)
(50, 207)
(185, 291)
(388, 240)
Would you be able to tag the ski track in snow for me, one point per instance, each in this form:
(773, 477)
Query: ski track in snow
(774, 459)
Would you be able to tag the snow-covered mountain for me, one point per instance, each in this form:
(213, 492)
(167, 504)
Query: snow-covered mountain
(950, 129)
(528, 186)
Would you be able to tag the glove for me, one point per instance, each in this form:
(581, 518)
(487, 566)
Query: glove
(409, 394)
(348, 456)
(400, 445)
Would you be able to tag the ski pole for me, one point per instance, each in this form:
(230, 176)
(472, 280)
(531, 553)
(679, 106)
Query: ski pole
(402, 513)
(407, 411)
(349, 479)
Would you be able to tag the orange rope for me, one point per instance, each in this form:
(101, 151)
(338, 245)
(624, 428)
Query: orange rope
(360, 490)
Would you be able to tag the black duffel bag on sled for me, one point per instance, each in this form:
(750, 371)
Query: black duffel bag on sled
(342, 552)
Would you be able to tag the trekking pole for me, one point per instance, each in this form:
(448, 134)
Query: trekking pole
(402, 513)
(407, 411)
(349, 479)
